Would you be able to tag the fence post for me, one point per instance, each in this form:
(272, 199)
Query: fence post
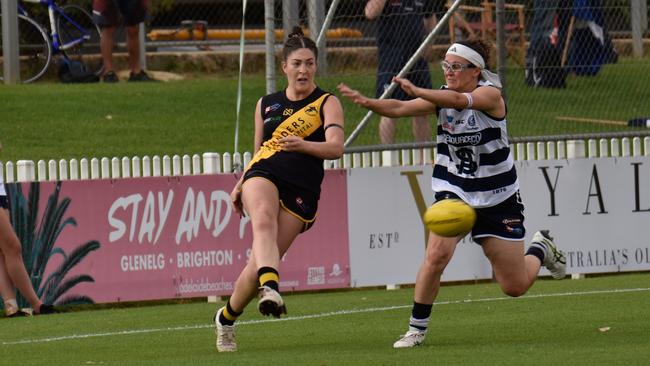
(74, 169)
(637, 32)
(166, 166)
(502, 53)
(115, 167)
(176, 165)
(105, 168)
(269, 39)
(316, 14)
(10, 45)
(63, 169)
(143, 46)
(26, 172)
(135, 167)
(9, 172)
(227, 163)
(146, 166)
(211, 163)
(290, 15)
(575, 149)
(196, 164)
(51, 170)
(126, 167)
(83, 167)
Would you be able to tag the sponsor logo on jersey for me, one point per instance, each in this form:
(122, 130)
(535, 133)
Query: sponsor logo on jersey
(311, 111)
(473, 139)
(273, 119)
(272, 108)
(287, 112)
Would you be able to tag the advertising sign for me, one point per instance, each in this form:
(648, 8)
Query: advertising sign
(166, 237)
(598, 210)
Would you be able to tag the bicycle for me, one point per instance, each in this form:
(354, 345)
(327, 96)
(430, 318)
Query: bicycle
(73, 34)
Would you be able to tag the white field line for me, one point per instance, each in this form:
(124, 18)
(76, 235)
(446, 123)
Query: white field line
(313, 316)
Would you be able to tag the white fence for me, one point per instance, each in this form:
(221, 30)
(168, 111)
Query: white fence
(212, 163)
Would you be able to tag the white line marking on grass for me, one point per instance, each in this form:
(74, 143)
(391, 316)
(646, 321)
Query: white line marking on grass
(313, 316)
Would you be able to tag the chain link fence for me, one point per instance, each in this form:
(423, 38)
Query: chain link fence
(568, 66)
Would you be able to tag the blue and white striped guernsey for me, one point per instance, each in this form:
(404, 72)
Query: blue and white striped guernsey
(473, 158)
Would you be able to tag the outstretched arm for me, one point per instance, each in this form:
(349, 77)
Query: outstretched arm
(388, 107)
(486, 98)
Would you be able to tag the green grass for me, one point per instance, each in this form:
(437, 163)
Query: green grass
(557, 323)
(59, 121)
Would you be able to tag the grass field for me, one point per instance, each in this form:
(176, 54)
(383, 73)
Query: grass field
(593, 321)
(60, 121)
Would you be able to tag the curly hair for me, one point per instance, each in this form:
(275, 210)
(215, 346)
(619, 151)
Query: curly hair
(482, 47)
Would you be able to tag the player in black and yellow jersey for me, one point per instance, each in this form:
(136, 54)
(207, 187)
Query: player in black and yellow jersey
(295, 129)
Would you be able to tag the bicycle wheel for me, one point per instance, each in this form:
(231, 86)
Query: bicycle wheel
(79, 37)
(34, 49)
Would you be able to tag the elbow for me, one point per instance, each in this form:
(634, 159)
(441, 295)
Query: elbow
(335, 153)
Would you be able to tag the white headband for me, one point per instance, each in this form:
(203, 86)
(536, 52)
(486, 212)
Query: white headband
(475, 59)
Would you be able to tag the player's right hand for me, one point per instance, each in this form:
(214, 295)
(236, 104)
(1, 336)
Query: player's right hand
(354, 95)
(235, 197)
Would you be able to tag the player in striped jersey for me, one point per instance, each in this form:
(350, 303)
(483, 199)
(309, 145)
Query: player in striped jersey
(474, 164)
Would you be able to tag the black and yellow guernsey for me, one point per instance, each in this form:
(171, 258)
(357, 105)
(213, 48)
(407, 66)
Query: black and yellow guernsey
(283, 117)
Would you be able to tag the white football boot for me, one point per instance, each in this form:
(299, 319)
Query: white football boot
(270, 302)
(225, 335)
(412, 338)
(554, 259)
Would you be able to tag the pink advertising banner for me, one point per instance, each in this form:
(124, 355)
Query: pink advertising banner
(170, 237)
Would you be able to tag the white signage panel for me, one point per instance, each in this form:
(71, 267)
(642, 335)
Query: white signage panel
(598, 210)
(387, 236)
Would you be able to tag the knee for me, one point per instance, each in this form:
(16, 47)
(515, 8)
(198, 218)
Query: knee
(133, 31)
(436, 259)
(12, 248)
(514, 290)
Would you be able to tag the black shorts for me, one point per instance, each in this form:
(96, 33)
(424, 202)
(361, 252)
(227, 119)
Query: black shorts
(503, 221)
(419, 76)
(298, 201)
(107, 13)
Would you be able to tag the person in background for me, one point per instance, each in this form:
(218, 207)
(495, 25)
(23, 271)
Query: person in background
(12, 268)
(107, 14)
(474, 164)
(401, 27)
(295, 130)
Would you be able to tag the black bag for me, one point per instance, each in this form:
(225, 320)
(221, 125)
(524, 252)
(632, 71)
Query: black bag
(71, 71)
(543, 66)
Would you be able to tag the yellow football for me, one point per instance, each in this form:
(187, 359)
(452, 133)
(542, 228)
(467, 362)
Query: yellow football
(450, 218)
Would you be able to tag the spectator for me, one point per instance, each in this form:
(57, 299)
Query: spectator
(401, 30)
(107, 14)
(12, 268)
